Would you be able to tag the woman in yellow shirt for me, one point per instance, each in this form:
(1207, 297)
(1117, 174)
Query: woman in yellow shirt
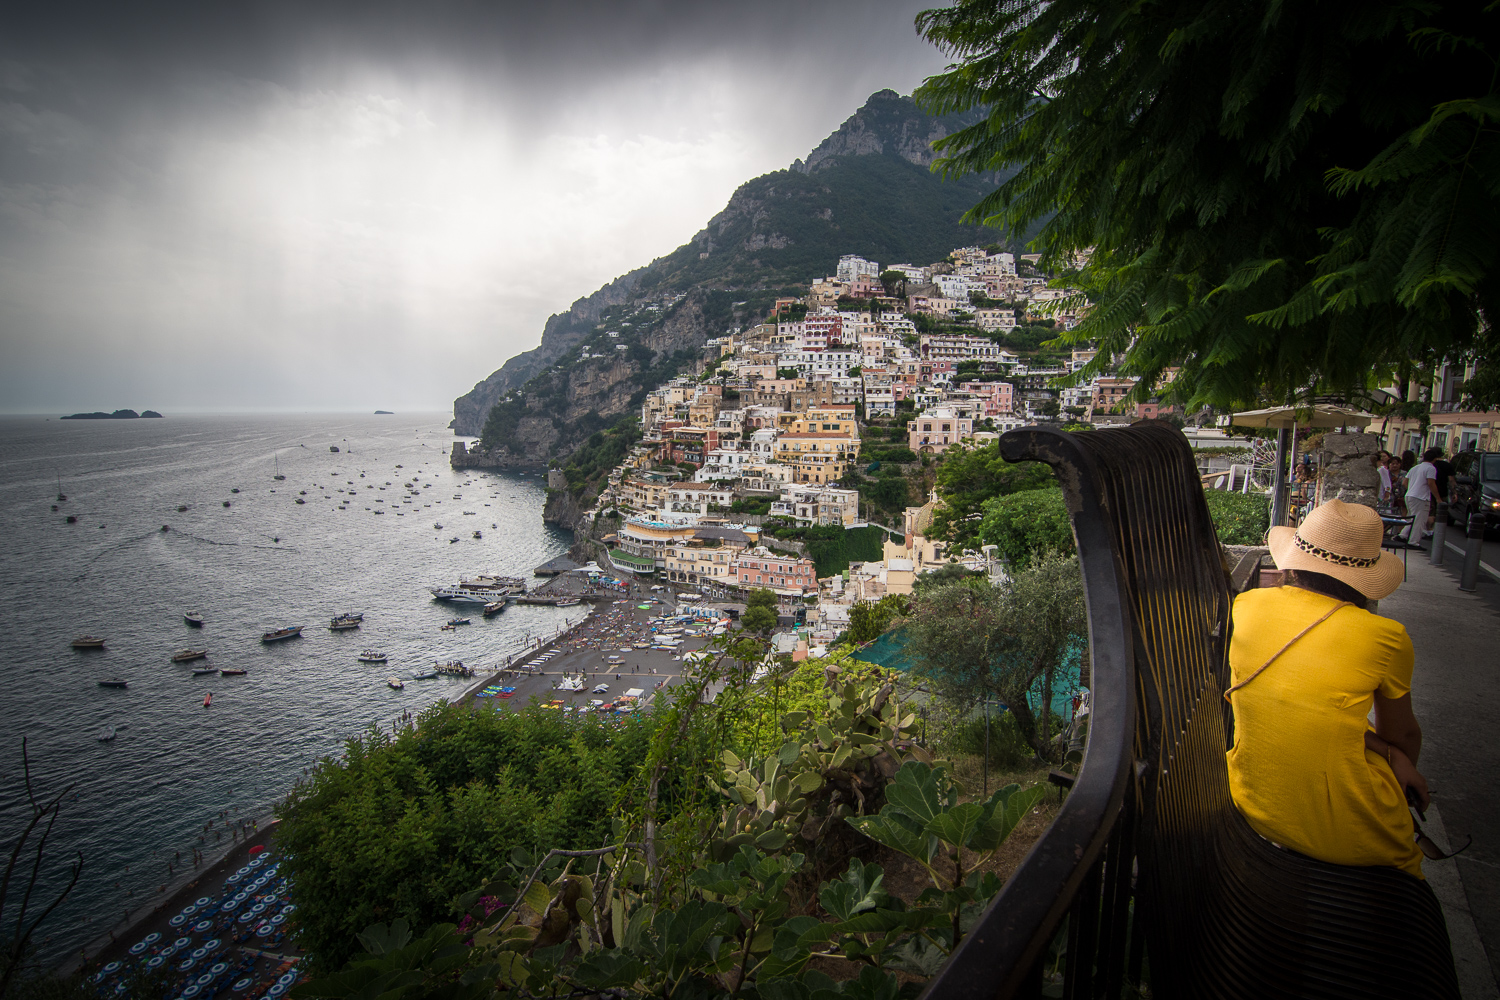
(1308, 665)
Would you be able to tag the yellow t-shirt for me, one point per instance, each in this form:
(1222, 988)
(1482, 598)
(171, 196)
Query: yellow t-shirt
(1299, 770)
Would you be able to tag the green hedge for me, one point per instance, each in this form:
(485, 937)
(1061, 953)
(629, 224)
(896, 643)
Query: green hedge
(1239, 518)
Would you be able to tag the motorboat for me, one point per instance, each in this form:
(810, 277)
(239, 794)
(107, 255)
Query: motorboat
(188, 655)
(107, 734)
(478, 534)
(494, 608)
(568, 602)
(429, 675)
(300, 500)
(290, 632)
(204, 671)
(341, 625)
(193, 618)
(395, 683)
(458, 621)
(114, 682)
(350, 616)
(232, 672)
(181, 508)
(88, 642)
(208, 700)
(334, 449)
(372, 656)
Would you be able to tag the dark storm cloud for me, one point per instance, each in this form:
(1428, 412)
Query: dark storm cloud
(191, 193)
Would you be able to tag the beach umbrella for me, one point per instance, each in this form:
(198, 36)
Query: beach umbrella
(1286, 420)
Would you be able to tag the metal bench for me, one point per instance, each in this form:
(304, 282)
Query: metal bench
(1149, 873)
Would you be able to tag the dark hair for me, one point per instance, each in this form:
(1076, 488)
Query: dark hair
(1322, 583)
(1408, 459)
(1432, 453)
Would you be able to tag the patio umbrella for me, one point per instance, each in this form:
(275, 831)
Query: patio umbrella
(1286, 419)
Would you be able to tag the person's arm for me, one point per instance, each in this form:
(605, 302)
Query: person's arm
(1398, 738)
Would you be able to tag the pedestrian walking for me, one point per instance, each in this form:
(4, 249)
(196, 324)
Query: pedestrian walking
(1421, 484)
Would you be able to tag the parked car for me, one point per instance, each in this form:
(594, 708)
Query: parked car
(1478, 478)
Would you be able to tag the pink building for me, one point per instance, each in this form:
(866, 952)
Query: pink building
(760, 567)
(997, 397)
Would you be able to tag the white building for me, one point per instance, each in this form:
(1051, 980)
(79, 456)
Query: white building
(851, 267)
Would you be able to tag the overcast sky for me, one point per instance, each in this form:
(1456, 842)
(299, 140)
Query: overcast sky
(345, 206)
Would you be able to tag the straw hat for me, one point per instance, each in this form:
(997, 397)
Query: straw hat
(1343, 541)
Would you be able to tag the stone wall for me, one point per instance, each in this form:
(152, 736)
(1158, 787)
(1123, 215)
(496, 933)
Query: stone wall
(1346, 472)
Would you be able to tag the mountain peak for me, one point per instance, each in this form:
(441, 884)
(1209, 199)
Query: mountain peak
(888, 123)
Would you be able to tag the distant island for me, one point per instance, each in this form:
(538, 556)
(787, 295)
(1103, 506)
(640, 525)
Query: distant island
(384, 413)
(117, 415)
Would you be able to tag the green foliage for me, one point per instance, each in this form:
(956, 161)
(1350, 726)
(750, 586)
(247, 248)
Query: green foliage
(1007, 745)
(1277, 198)
(760, 620)
(1239, 518)
(868, 620)
(1027, 524)
(747, 506)
(761, 597)
(973, 642)
(601, 453)
(406, 822)
(969, 477)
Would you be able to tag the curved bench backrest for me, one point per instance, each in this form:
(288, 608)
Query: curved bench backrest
(1149, 820)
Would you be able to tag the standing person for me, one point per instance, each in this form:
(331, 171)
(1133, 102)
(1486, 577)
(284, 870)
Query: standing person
(1421, 482)
(1382, 462)
(1445, 478)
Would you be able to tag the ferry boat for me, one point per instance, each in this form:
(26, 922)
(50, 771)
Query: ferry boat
(88, 642)
(483, 589)
(372, 656)
(290, 632)
(188, 655)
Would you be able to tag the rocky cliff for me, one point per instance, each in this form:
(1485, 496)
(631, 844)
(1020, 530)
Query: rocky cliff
(865, 189)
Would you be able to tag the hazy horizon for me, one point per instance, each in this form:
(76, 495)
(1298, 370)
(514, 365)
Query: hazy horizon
(267, 207)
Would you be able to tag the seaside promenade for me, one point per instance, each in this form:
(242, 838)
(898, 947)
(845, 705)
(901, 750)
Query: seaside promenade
(1454, 693)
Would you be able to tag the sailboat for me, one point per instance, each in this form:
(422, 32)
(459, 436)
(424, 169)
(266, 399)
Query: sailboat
(61, 496)
(278, 477)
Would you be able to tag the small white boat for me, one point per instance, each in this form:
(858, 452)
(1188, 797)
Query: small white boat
(193, 618)
(395, 683)
(88, 642)
(188, 655)
(372, 656)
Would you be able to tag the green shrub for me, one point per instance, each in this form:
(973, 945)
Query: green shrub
(1239, 518)
(1008, 748)
(1027, 524)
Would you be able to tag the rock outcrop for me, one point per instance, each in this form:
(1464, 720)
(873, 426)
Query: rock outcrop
(887, 123)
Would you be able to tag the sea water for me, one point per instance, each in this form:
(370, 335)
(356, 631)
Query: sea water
(260, 563)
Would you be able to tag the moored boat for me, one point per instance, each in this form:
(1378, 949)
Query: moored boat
(429, 675)
(232, 672)
(202, 671)
(567, 602)
(187, 655)
(350, 616)
(114, 682)
(395, 683)
(106, 734)
(482, 589)
(494, 608)
(458, 621)
(193, 618)
(88, 642)
(290, 632)
(208, 700)
(342, 625)
(372, 656)
(454, 668)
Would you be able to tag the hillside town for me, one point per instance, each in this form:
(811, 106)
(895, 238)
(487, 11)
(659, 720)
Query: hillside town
(775, 429)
